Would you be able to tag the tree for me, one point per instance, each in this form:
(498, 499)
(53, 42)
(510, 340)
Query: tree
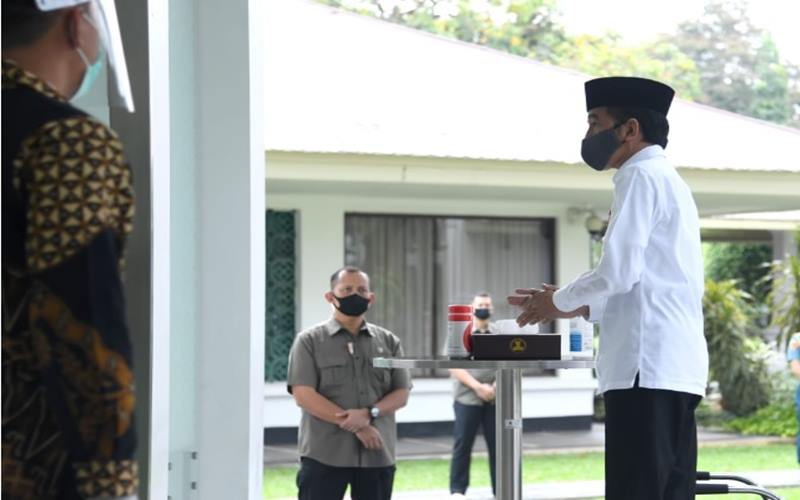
(524, 27)
(739, 65)
(744, 262)
(607, 55)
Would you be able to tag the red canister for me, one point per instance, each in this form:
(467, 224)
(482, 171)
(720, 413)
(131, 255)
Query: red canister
(459, 330)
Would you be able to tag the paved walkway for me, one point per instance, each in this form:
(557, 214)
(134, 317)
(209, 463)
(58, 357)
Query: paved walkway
(548, 442)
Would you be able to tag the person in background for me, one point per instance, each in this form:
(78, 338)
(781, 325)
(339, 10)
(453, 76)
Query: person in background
(474, 392)
(68, 385)
(347, 431)
(793, 356)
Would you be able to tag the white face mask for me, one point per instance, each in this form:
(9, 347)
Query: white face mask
(92, 69)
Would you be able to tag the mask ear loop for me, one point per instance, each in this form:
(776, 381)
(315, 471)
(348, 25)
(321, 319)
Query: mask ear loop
(616, 126)
(87, 16)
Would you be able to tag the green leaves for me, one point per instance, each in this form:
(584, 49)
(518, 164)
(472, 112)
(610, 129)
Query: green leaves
(743, 262)
(739, 65)
(776, 419)
(785, 295)
(736, 361)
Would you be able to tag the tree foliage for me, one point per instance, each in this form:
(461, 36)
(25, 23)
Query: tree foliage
(528, 28)
(608, 55)
(747, 263)
(739, 64)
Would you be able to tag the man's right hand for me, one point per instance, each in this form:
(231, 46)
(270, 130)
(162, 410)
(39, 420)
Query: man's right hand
(485, 392)
(370, 438)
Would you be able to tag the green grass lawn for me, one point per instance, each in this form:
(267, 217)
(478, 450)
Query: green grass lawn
(279, 482)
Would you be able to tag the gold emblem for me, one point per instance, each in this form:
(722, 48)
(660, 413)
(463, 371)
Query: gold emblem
(518, 345)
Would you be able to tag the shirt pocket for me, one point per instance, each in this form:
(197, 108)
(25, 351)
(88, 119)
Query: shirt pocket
(334, 372)
(380, 378)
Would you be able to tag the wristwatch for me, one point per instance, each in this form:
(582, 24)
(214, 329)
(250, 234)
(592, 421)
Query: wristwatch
(374, 412)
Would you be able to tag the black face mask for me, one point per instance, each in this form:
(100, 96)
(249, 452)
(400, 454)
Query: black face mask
(596, 150)
(482, 313)
(352, 305)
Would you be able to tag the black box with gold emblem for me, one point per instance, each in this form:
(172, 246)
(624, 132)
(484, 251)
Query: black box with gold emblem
(504, 346)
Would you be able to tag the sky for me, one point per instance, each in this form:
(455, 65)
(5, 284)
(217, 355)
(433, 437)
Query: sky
(641, 20)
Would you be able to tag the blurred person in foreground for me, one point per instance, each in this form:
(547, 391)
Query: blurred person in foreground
(68, 388)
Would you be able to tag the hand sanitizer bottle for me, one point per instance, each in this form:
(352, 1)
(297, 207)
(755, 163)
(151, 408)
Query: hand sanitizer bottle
(581, 337)
(575, 336)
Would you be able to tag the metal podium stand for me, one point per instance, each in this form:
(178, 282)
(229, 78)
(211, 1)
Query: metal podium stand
(508, 405)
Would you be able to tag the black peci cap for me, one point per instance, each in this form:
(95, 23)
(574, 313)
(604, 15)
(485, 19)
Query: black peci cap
(628, 91)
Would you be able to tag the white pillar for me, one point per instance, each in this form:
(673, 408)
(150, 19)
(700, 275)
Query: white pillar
(146, 137)
(184, 336)
(321, 252)
(231, 214)
(573, 256)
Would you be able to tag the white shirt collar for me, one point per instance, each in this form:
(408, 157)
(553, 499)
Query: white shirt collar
(652, 151)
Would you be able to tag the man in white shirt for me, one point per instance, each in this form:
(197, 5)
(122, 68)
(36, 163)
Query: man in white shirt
(646, 293)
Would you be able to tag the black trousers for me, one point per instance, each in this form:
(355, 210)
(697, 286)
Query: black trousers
(317, 481)
(651, 444)
(468, 419)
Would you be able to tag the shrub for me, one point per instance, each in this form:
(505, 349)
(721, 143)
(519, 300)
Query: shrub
(776, 419)
(736, 361)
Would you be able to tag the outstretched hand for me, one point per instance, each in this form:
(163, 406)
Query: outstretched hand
(537, 305)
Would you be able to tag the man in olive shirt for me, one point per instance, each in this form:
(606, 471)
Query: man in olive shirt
(347, 432)
(473, 406)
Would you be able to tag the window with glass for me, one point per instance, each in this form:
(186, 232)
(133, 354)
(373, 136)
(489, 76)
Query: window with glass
(420, 264)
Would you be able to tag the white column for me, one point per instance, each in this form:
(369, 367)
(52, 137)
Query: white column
(231, 248)
(146, 137)
(184, 337)
(321, 252)
(573, 256)
(783, 244)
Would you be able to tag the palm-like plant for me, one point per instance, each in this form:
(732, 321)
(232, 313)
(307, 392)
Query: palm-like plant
(736, 361)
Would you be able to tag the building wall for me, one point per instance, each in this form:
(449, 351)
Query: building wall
(320, 246)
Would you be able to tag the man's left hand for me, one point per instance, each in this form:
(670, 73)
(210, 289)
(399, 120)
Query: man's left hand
(537, 305)
(354, 420)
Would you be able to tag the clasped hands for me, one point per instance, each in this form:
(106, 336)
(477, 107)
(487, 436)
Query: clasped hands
(358, 421)
(537, 305)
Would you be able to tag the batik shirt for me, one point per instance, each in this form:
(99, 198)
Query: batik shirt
(68, 391)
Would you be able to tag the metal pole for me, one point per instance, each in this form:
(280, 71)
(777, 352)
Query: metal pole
(509, 434)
